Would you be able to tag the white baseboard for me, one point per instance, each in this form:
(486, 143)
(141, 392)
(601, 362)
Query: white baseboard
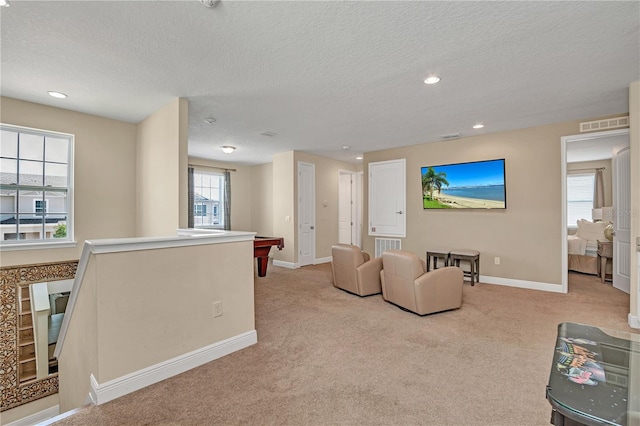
(38, 417)
(634, 321)
(291, 265)
(531, 285)
(105, 392)
(508, 282)
(288, 265)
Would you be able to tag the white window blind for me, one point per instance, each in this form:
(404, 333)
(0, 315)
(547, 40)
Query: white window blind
(579, 197)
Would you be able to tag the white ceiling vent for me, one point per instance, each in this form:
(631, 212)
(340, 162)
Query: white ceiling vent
(451, 136)
(610, 123)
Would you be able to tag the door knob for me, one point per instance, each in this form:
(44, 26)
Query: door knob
(400, 212)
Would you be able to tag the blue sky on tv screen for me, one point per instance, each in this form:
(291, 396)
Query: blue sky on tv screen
(479, 173)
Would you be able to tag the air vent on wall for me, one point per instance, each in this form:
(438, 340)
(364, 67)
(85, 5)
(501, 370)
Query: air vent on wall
(451, 136)
(384, 244)
(609, 123)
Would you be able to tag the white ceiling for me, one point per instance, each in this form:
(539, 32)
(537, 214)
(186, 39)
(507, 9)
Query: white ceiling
(324, 74)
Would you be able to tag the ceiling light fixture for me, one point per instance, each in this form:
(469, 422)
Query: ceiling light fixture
(228, 149)
(478, 126)
(431, 80)
(4, 3)
(210, 120)
(359, 157)
(346, 147)
(58, 95)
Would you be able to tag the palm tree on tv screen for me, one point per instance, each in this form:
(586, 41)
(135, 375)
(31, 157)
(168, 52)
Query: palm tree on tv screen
(432, 180)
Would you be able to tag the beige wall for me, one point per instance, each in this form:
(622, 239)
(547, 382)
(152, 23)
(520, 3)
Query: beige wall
(104, 175)
(127, 334)
(183, 158)
(606, 176)
(262, 196)
(526, 236)
(79, 356)
(284, 205)
(242, 203)
(634, 114)
(161, 171)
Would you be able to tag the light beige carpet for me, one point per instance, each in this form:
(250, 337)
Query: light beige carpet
(326, 357)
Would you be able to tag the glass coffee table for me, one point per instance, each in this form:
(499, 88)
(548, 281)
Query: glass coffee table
(595, 377)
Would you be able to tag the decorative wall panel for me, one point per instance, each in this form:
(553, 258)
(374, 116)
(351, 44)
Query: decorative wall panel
(12, 279)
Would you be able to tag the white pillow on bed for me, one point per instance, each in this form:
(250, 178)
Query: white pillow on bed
(591, 231)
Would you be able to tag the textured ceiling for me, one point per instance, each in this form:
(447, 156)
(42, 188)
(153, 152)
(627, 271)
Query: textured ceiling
(325, 74)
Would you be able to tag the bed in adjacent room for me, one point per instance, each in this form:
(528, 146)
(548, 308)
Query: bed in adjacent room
(583, 246)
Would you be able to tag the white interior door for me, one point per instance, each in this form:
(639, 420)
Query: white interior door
(387, 198)
(356, 228)
(344, 208)
(350, 207)
(306, 213)
(622, 219)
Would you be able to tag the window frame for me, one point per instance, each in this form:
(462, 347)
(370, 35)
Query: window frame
(215, 208)
(199, 210)
(570, 174)
(43, 243)
(42, 211)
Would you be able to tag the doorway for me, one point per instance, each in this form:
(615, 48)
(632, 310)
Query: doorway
(306, 213)
(590, 147)
(350, 208)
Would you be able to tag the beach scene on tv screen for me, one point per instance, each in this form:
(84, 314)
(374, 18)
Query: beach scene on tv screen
(477, 185)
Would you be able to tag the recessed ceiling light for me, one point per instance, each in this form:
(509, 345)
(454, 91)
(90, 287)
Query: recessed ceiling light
(431, 80)
(359, 157)
(210, 120)
(346, 147)
(478, 126)
(4, 3)
(228, 149)
(58, 95)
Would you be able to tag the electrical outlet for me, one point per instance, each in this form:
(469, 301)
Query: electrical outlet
(496, 260)
(217, 309)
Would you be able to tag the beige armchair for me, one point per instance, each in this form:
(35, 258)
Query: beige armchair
(354, 272)
(406, 284)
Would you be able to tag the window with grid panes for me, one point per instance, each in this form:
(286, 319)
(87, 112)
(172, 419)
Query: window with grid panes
(208, 197)
(35, 187)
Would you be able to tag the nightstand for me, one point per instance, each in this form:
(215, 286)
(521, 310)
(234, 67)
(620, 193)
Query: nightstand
(605, 252)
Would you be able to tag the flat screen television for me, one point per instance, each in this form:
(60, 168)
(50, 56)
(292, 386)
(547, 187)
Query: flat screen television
(475, 185)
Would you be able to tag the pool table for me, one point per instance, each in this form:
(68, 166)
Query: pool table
(261, 248)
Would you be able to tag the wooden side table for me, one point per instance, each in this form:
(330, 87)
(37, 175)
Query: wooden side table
(471, 256)
(436, 254)
(605, 252)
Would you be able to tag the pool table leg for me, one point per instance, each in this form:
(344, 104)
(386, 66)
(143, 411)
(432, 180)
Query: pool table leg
(263, 261)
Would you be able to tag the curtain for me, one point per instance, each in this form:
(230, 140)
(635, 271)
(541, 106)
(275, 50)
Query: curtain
(190, 197)
(227, 200)
(598, 190)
